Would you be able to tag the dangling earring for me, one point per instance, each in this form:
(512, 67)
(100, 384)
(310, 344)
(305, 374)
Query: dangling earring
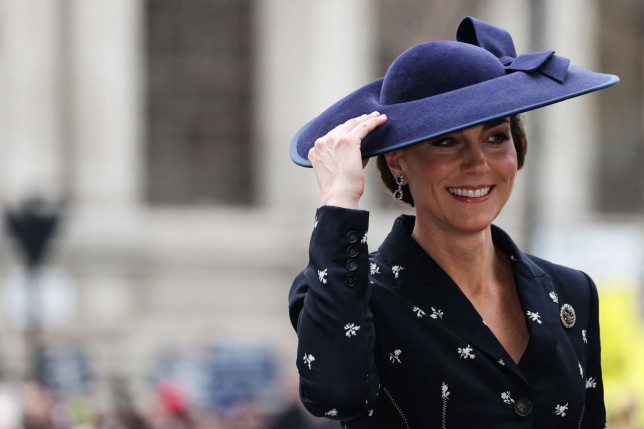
(398, 193)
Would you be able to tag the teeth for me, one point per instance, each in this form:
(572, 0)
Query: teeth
(470, 193)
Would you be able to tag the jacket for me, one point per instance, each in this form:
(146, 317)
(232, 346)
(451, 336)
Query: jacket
(388, 340)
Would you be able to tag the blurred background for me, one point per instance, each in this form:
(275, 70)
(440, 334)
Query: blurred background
(153, 221)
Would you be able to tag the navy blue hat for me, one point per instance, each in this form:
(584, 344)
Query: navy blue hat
(439, 87)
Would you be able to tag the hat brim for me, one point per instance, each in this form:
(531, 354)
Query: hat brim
(416, 121)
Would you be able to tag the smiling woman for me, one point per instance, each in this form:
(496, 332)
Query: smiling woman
(461, 180)
(448, 324)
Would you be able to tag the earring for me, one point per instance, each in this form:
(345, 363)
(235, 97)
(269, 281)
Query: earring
(398, 193)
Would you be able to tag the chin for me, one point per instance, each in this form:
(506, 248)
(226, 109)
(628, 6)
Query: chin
(475, 226)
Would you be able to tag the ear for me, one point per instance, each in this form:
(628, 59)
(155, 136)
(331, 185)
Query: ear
(393, 162)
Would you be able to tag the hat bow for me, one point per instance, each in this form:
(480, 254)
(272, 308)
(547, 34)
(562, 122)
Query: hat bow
(499, 42)
(545, 62)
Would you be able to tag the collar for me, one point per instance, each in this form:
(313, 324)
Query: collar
(425, 283)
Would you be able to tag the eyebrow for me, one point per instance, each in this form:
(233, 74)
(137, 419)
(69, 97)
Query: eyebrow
(496, 122)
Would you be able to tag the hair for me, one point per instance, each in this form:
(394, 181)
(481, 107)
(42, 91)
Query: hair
(520, 144)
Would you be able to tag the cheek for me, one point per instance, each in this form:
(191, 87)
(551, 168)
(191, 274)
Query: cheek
(508, 164)
(427, 174)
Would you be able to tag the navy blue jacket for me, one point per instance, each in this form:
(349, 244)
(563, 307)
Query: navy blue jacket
(388, 340)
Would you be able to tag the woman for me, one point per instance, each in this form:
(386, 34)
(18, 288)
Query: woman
(448, 324)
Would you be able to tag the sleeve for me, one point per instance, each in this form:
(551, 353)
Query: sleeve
(594, 410)
(328, 307)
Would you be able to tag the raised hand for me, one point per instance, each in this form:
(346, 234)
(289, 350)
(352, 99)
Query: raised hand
(338, 163)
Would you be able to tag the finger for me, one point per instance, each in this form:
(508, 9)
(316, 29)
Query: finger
(352, 123)
(363, 128)
(311, 155)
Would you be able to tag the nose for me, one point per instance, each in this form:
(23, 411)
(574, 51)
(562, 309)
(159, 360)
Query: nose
(474, 159)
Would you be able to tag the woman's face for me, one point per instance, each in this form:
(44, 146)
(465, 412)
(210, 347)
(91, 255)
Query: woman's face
(461, 181)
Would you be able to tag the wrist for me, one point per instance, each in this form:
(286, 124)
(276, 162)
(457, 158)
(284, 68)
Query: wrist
(348, 201)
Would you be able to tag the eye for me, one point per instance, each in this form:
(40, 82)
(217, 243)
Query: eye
(443, 142)
(499, 138)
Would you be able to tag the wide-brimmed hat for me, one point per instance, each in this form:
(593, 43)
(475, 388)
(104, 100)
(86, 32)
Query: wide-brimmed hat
(439, 87)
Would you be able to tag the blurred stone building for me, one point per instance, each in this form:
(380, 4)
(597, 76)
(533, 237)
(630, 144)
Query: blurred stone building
(163, 127)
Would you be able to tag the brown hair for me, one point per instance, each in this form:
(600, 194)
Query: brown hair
(520, 144)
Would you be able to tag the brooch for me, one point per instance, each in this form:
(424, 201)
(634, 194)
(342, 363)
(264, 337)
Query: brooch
(567, 315)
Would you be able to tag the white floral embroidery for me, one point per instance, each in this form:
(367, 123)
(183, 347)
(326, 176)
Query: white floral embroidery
(534, 316)
(560, 410)
(351, 329)
(554, 297)
(581, 370)
(583, 336)
(501, 362)
(322, 276)
(331, 413)
(315, 223)
(507, 397)
(364, 238)
(466, 352)
(374, 268)
(370, 412)
(591, 383)
(436, 314)
(445, 390)
(396, 269)
(308, 359)
(395, 356)
(419, 313)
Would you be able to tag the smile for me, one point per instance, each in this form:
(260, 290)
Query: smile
(470, 193)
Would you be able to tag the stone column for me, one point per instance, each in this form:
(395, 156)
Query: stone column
(30, 126)
(309, 55)
(107, 104)
(569, 136)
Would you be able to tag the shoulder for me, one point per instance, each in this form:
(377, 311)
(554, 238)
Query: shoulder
(571, 285)
(560, 273)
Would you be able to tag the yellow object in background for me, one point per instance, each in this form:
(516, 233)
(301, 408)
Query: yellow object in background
(622, 336)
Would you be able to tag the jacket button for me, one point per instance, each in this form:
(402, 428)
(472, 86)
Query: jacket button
(350, 280)
(352, 237)
(353, 250)
(523, 407)
(352, 264)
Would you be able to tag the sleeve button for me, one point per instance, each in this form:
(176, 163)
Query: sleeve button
(352, 237)
(350, 280)
(352, 250)
(352, 264)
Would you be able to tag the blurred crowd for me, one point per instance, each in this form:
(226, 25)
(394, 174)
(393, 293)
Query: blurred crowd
(166, 406)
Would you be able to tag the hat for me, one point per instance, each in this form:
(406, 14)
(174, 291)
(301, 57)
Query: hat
(439, 87)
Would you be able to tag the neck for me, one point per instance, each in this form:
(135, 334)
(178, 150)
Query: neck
(470, 259)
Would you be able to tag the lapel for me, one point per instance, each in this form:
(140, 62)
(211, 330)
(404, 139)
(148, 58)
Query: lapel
(537, 295)
(423, 282)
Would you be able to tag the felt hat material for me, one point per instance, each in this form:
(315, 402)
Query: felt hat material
(439, 87)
